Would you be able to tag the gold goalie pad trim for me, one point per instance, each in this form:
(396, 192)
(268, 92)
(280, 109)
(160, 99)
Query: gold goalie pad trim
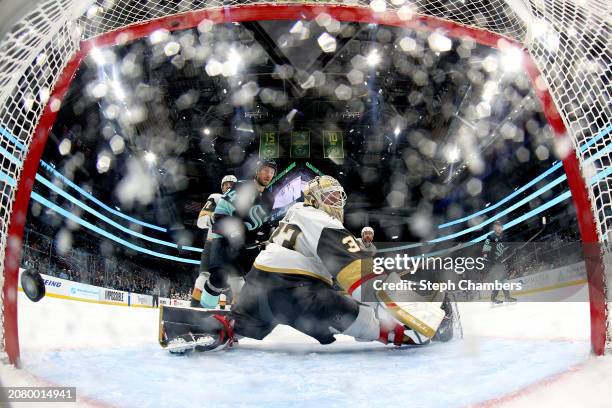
(404, 317)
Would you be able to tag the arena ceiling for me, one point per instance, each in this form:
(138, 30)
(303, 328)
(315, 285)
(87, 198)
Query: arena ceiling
(427, 120)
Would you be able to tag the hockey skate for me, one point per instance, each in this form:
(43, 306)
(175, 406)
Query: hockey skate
(183, 330)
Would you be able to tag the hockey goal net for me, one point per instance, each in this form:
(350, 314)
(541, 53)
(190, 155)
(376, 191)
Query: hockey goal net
(566, 43)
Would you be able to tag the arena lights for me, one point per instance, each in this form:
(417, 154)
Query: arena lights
(106, 234)
(373, 58)
(512, 59)
(597, 177)
(150, 157)
(65, 146)
(118, 90)
(97, 56)
(51, 168)
(453, 154)
(553, 168)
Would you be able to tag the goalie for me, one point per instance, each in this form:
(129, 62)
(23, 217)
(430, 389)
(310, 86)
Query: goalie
(291, 283)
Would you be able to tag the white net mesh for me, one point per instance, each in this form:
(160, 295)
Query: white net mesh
(32, 57)
(568, 41)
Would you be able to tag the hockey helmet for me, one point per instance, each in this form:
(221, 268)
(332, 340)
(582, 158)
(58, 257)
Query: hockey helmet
(228, 179)
(367, 229)
(327, 194)
(260, 165)
(266, 163)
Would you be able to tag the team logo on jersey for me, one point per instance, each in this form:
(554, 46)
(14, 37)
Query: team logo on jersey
(499, 249)
(257, 217)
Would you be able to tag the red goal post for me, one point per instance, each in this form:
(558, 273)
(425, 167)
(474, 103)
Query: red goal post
(565, 54)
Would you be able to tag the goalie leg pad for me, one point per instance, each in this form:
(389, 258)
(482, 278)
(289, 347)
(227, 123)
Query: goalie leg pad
(419, 314)
(422, 317)
(393, 335)
(185, 329)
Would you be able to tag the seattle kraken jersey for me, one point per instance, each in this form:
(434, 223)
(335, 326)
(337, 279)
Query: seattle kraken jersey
(252, 208)
(310, 242)
(205, 218)
(494, 247)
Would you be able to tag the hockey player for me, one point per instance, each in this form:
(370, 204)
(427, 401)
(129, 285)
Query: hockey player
(205, 220)
(240, 225)
(366, 242)
(291, 283)
(493, 251)
(205, 216)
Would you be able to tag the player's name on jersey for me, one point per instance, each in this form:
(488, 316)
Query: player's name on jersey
(464, 284)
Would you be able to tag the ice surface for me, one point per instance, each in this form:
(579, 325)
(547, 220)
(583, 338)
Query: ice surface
(282, 372)
(110, 354)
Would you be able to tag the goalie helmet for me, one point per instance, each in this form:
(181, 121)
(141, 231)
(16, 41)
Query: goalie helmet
(326, 193)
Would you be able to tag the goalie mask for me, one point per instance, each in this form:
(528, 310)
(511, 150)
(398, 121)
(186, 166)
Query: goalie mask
(326, 193)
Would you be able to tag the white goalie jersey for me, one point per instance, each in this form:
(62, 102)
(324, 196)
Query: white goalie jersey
(205, 217)
(310, 242)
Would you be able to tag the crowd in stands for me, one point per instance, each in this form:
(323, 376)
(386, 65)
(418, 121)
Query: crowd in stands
(33, 259)
(180, 290)
(135, 283)
(85, 264)
(554, 251)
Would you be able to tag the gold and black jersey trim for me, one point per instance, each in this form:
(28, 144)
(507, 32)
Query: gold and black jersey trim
(350, 274)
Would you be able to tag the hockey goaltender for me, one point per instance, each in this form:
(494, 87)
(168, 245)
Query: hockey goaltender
(291, 283)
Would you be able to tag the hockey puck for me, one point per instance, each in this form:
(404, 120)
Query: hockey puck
(33, 285)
